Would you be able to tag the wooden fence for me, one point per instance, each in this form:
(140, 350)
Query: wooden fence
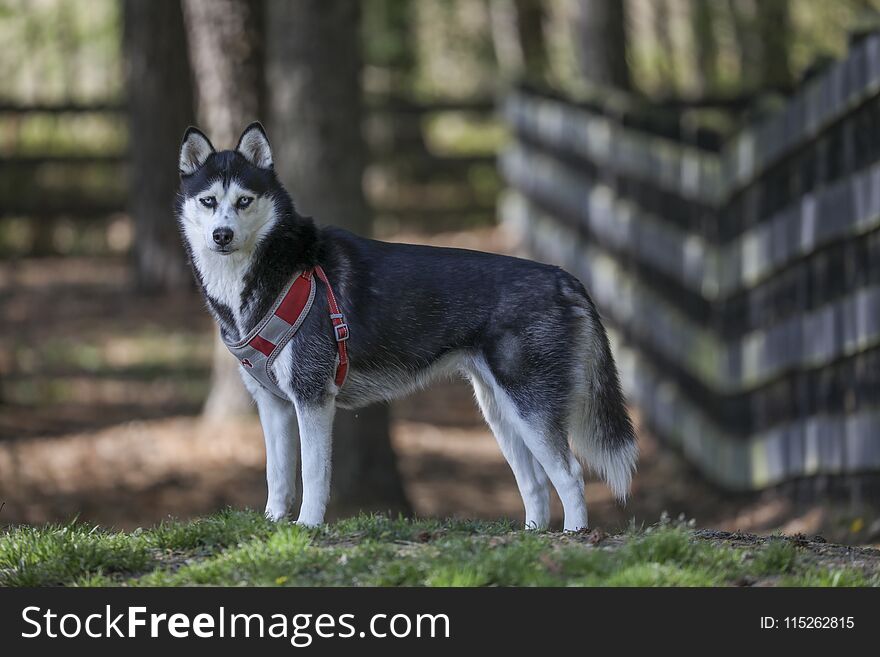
(740, 276)
(417, 188)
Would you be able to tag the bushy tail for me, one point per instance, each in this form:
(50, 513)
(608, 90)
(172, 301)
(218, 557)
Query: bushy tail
(601, 431)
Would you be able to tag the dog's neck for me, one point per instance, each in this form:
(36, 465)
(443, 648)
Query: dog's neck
(240, 287)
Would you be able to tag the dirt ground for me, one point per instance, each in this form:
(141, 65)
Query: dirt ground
(99, 398)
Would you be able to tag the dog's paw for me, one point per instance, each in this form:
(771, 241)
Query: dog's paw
(309, 522)
(276, 515)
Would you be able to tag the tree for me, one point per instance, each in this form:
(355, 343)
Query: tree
(746, 43)
(774, 30)
(666, 63)
(601, 42)
(315, 116)
(518, 37)
(226, 54)
(160, 102)
(706, 47)
(390, 43)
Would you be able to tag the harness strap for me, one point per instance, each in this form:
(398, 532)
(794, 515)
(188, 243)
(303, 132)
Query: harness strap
(340, 328)
(257, 351)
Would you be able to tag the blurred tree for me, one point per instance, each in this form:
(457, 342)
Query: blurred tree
(518, 38)
(530, 24)
(389, 45)
(747, 44)
(390, 54)
(706, 46)
(315, 115)
(601, 42)
(775, 33)
(226, 52)
(160, 102)
(454, 46)
(662, 26)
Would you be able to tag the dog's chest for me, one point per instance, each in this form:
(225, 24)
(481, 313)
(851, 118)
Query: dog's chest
(224, 283)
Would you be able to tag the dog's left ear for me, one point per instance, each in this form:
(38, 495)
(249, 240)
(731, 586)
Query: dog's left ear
(254, 146)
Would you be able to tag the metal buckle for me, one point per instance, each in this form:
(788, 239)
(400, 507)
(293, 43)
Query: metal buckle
(344, 329)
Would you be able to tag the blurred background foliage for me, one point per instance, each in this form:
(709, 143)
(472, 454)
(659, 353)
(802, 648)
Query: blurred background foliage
(63, 134)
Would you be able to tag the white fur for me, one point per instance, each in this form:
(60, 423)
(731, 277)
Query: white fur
(615, 467)
(223, 273)
(534, 487)
(383, 383)
(281, 434)
(315, 430)
(560, 466)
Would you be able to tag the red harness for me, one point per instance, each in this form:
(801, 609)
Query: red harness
(258, 350)
(340, 328)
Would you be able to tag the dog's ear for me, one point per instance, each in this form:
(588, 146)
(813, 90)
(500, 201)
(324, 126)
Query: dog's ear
(194, 150)
(254, 146)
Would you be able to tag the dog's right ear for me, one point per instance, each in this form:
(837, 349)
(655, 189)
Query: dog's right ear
(194, 150)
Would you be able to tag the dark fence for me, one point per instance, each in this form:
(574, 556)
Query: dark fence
(741, 276)
(60, 175)
(411, 183)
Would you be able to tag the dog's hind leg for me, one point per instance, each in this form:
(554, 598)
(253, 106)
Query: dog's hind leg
(548, 446)
(278, 419)
(534, 487)
(315, 431)
(555, 456)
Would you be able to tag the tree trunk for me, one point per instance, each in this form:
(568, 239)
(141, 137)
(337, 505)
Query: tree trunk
(160, 101)
(226, 51)
(702, 17)
(746, 43)
(668, 69)
(518, 38)
(774, 29)
(315, 115)
(226, 54)
(530, 28)
(601, 42)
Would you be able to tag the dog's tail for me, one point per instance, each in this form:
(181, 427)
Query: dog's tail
(601, 431)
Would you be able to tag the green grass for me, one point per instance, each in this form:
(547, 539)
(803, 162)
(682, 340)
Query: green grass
(235, 548)
(57, 554)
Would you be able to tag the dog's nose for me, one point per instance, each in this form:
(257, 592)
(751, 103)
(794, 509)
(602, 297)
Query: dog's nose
(223, 236)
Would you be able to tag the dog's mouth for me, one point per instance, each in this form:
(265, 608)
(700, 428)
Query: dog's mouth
(223, 250)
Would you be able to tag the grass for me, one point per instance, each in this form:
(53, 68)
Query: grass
(235, 548)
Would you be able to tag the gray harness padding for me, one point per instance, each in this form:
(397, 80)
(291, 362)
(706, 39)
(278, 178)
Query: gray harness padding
(257, 351)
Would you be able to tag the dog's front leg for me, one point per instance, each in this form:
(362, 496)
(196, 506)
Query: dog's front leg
(280, 432)
(315, 429)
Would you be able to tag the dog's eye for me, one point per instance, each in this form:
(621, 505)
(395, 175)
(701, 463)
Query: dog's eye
(208, 201)
(243, 202)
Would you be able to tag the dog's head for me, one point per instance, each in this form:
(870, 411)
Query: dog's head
(227, 201)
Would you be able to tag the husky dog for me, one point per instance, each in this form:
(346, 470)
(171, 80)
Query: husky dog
(526, 335)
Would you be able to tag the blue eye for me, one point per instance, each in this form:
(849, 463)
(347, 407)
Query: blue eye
(243, 202)
(208, 201)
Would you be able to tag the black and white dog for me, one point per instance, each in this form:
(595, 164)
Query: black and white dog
(526, 335)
